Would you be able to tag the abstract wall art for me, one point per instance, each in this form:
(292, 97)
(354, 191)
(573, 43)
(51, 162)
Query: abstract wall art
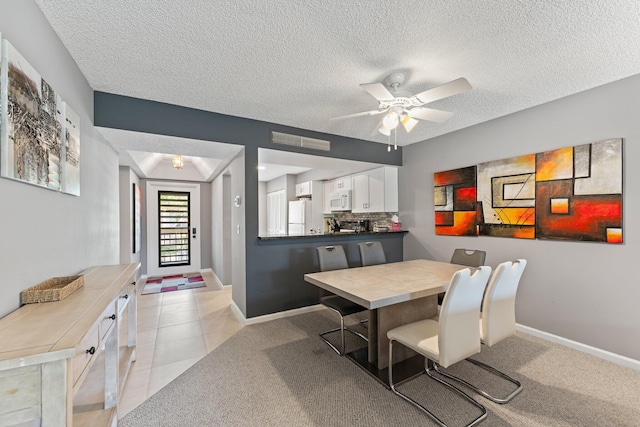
(506, 197)
(572, 193)
(71, 147)
(39, 133)
(454, 199)
(579, 193)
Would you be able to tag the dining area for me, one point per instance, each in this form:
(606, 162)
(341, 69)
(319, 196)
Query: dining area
(420, 318)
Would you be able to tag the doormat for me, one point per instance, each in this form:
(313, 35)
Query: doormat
(174, 282)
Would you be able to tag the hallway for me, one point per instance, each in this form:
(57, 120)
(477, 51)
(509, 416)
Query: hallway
(175, 330)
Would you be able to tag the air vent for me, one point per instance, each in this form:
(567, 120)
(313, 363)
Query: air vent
(300, 141)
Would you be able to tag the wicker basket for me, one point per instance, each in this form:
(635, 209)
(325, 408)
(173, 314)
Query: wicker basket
(54, 289)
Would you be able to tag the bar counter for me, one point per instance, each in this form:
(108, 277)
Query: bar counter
(340, 235)
(275, 281)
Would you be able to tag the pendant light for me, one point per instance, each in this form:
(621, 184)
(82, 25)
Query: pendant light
(177, 161)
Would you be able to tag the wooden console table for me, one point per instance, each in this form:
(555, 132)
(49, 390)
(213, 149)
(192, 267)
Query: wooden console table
(51, 351)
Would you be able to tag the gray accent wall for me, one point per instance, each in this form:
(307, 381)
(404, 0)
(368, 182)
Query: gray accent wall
(585, 292)
(254, 292)
(45, 233)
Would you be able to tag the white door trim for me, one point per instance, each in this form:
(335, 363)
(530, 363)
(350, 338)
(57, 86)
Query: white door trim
(153, 187)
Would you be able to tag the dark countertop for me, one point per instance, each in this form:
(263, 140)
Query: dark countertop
(337, 235)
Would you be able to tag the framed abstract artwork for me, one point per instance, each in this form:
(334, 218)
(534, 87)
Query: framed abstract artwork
(454, 198)
(579, 193)
(39, 133)
(506, 197)
(572, 193)
(71, 150)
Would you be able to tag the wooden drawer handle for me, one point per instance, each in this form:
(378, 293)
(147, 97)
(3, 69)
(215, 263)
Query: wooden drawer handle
(92, 350)
(112, 317)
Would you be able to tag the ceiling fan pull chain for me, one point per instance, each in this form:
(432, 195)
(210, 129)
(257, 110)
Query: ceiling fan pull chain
(395, 139)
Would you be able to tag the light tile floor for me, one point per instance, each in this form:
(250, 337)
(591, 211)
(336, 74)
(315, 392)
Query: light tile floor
(175, 330)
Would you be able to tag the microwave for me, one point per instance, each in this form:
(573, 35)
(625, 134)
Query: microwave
(340, 200)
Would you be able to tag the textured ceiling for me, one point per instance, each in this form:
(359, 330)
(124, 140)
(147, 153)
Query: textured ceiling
(299, 63)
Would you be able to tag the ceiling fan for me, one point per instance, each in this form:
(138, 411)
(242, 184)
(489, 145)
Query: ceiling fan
(402, 107)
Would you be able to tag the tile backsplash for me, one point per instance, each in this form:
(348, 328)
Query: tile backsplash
(381, 218)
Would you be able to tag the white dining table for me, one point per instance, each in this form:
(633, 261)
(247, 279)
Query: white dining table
(395, 294)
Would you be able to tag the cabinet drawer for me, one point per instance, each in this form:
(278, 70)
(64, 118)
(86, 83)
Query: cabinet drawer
(107, 319)
(126, 295)
(19, 390)
(86, 350)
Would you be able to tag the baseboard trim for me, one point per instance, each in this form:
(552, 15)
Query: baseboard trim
(594, 351)
(219, 284)
(236, 310)
(273, 316)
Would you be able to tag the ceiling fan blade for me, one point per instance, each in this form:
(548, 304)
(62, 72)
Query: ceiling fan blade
(378, 91)
(423, 113)
(445, 90)
(364, 113)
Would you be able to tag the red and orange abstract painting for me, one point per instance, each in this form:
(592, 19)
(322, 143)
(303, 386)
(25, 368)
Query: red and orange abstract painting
(579, 193)
(573, 193)
(454, 198)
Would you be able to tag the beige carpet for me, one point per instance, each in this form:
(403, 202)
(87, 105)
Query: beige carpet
(280, 373)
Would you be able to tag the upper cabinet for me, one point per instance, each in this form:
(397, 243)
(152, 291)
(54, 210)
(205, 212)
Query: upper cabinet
(375, 190)
(339, 184)
(304, 189)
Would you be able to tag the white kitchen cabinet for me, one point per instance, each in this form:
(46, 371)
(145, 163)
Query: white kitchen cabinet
(375, 190)
(342, 183)
(304, 189)
(360, 193)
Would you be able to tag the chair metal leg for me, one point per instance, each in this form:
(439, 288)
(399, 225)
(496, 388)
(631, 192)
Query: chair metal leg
(422, 408)
(482, 392)
(342, 328)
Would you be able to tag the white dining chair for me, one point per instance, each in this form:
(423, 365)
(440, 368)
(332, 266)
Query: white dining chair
(452, 338)
(498, 321)
(468, 257)
(334, 258)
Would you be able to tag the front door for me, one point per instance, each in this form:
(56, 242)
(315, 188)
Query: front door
(173, 228)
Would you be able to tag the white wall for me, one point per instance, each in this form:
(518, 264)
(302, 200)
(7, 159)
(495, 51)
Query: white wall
(238, 233)
(586, 292)
(221, 228)
(45, 233)
(228, 246)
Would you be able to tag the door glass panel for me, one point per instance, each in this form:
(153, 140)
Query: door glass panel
(174, 226)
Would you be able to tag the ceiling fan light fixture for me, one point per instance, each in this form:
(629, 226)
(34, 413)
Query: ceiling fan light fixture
(177, 161)
(390, 121)
(408, 122)
(383, 130)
